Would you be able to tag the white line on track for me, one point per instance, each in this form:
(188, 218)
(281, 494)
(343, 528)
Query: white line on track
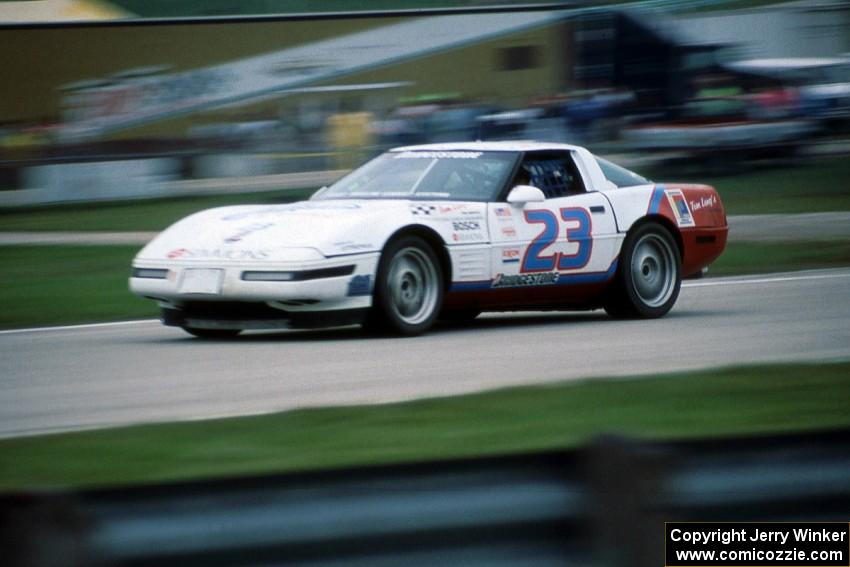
(779, 278)
(76, 327)
(739, 280)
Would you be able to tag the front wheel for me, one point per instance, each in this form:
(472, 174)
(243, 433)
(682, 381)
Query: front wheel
(408, 288)
(649, 277)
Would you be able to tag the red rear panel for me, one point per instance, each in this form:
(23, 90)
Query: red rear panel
(699, 214)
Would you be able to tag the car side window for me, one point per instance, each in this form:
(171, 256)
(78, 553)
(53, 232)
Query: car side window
(620, 176)
(555, 175)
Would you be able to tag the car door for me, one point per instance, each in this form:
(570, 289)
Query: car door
(570, 238)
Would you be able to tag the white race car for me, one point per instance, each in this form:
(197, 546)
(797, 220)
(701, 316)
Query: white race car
(438, 231)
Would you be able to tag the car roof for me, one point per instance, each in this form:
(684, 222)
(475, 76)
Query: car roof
(506, 146)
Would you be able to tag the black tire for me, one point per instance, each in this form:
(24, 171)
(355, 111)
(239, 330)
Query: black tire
(212, 333)
(649, 277)
(408, 288)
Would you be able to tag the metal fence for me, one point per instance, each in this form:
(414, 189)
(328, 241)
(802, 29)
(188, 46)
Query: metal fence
(604, 504)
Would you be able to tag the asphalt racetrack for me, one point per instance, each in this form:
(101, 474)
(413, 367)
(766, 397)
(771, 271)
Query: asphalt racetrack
(102, 375)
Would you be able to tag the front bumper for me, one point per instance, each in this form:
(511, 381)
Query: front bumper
(255, 316)
(315, 286)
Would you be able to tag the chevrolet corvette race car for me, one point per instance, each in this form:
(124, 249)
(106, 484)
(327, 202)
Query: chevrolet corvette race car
(438, 231)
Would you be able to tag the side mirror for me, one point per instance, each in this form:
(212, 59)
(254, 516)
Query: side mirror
(522, 194)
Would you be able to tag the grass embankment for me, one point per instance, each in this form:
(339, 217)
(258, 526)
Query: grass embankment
(763, 257)
(758, 399)
(146, 215)
(811, 186)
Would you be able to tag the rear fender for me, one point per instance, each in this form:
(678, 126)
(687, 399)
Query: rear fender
(694, 214)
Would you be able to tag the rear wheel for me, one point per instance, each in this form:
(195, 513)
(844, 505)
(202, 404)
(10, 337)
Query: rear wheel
(408, 287)
(212, 333)
(649, 277)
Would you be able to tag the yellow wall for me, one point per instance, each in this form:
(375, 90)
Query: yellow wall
(40, 60)
(36, 61)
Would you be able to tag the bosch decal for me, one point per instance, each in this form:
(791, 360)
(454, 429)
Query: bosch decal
(466, 225)
(509, 231)
(521, 280)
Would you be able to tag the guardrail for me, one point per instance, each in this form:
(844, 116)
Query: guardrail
(604, 504)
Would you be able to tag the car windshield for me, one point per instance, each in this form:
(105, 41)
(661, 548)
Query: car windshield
(444, 175)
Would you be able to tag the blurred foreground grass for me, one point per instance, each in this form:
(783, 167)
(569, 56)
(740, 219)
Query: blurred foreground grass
(57, 285)
(757, 399)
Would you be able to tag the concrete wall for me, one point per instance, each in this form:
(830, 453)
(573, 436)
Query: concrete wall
(788, 30)
(70, 182)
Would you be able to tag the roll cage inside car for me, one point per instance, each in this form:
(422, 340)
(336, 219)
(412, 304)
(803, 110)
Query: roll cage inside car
(554, 172)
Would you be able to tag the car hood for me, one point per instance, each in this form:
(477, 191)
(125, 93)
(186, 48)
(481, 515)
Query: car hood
(301, 231)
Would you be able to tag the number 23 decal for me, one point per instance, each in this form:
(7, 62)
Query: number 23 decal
(577, 232)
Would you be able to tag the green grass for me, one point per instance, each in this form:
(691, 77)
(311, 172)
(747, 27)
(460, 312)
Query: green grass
(147, 215)
(815, 185)
(54, 285)
(57, 285)
(757, 399)
(763, 257)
